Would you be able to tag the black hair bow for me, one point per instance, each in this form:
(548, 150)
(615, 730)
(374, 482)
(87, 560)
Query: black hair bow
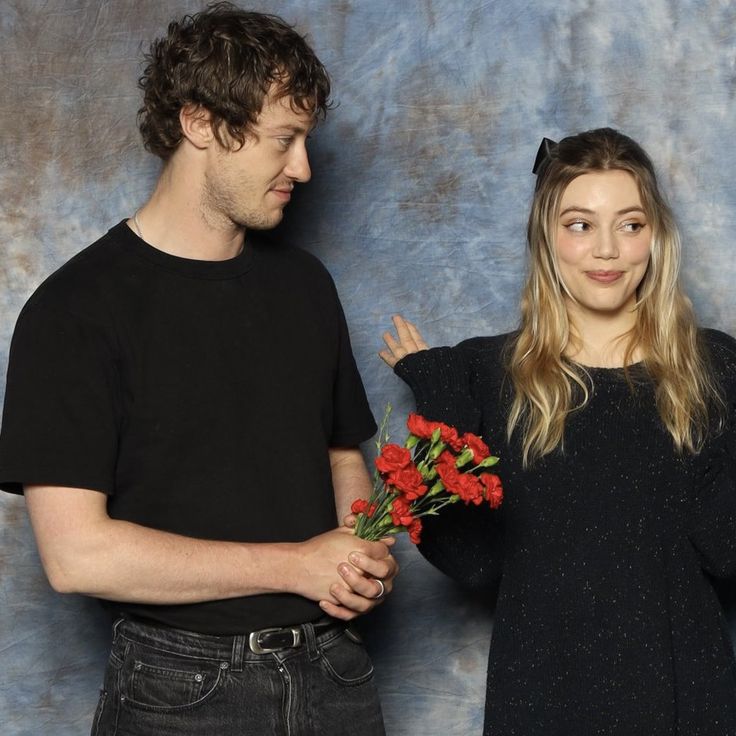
(543, 154)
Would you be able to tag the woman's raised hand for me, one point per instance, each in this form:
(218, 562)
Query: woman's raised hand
(408, 340)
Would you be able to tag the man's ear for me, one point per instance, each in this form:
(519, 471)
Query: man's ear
(196, 125)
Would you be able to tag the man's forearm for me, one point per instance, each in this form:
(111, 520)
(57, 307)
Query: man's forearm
(127, 562)
(350, 478)
(84, 551)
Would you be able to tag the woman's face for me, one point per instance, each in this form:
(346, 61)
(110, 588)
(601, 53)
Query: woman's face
(603, 241)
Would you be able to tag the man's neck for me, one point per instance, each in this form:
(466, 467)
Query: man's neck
(174, 221)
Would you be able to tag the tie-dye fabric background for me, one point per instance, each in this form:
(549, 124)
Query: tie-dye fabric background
(422, 179)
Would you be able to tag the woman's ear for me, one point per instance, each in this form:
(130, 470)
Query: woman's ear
(196, 125)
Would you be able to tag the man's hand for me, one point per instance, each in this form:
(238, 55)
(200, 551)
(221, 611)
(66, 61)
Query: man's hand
(359, 564)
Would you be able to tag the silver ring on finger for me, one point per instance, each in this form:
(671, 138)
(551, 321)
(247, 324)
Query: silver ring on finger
(381, 592)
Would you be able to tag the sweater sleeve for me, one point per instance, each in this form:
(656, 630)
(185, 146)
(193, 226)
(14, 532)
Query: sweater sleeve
(714, 529)
(441, 380)
(464, 542)
(714, 535)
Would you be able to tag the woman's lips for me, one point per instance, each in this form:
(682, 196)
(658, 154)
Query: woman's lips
(604, 277)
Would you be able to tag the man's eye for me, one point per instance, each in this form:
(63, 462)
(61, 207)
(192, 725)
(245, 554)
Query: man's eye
(285, 142)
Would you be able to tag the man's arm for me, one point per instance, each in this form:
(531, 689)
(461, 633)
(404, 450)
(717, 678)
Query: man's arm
(84, 551)
(351, 480)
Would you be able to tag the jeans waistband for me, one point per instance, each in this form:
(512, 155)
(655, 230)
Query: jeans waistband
(233, 649)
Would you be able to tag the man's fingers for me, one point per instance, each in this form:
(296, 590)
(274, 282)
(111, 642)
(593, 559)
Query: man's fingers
(368, 587)
(385, 567)
(354, 601)
(337, 611)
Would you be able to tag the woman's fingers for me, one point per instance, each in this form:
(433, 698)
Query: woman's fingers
(408, 340)
(416, 336)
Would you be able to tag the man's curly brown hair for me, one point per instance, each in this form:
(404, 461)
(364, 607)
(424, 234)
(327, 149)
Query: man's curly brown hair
(226, 60)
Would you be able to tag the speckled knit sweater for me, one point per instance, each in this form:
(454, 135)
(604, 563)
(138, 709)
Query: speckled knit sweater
(606, 621)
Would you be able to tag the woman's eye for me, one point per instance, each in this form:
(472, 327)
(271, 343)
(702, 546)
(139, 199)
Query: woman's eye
(577, 227)
(633, 227)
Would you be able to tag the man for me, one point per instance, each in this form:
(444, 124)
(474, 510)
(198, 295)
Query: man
(183, 412)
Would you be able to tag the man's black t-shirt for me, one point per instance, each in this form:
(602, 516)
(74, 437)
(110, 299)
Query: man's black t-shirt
(201, 396)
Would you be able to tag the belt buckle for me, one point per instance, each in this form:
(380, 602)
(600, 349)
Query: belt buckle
(257, 648)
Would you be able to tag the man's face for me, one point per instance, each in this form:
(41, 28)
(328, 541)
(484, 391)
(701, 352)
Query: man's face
(250, 187)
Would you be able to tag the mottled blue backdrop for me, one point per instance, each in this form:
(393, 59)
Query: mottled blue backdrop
(418, 202)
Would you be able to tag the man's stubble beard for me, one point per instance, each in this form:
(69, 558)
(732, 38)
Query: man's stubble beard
(226, 203)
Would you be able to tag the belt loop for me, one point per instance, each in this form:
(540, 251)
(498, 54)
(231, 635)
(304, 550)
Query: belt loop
(236, 658)
(115, 628)
(310, 640)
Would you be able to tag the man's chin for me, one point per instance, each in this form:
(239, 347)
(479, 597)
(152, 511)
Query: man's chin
(263, 223)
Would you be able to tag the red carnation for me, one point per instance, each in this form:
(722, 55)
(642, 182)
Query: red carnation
(470, 489)
(450, 437)
(420, 427)
(408, 481)
(401, 512)
(480, 449)
(424, 429)
(392, 458)
(450, 476)
(493, 489)
(415, 531)
(361, 506)
(446, 458)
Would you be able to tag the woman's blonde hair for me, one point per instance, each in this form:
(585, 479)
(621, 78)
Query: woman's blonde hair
(547, 386)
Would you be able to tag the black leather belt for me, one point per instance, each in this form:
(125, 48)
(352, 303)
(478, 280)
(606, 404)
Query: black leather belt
(266, 641)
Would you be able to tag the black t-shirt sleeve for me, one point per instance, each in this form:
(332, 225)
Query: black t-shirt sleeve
(61, 414)
(353, 421)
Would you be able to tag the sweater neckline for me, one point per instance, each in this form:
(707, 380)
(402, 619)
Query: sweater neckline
(230, 268)
(600, 373)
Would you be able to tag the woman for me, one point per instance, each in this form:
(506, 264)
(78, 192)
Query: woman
(614, 419)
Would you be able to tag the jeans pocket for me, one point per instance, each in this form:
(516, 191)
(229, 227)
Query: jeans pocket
(156, 680)
(346, 661)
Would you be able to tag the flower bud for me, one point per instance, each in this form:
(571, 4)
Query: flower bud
(438, 487)
(411, 442)
(437, 450)
(464, 457)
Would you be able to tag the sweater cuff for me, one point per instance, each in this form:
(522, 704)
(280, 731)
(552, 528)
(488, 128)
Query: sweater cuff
(431, 373)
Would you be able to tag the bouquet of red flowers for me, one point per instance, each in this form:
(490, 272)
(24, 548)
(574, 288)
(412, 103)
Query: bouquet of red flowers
(436, 467)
